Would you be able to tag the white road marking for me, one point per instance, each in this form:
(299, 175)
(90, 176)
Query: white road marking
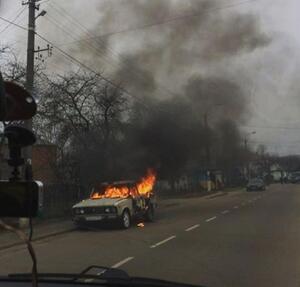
(163, 241)
(192, 227)
(211, 219)
(225, 211)
(117, 265)
(236, 207)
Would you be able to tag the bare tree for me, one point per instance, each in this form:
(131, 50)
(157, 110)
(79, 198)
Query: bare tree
(82, 115)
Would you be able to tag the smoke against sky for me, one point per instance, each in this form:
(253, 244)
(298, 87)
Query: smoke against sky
(254, 46)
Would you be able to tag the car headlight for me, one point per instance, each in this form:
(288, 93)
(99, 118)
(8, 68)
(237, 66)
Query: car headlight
(111, 209)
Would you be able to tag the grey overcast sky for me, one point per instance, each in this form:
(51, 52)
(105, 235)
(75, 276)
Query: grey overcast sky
(272, 73)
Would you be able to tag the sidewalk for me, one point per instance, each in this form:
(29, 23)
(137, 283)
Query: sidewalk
(40, 231)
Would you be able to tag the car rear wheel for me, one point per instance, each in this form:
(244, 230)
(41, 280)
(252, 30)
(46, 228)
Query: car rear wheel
(150, 214)
(125, 219)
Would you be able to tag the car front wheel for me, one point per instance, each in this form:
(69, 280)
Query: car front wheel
(125, 219)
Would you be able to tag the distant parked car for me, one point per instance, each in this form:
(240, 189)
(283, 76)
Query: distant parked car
(295, 178)
(256, 184)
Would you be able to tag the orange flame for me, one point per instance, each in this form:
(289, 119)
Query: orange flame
(141, 224)
(113, 192)
(144, 187)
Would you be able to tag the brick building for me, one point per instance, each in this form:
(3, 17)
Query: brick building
(44, 158)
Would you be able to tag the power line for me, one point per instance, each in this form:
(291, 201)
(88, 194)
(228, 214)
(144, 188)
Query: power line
(124, 60)
(13, 21)
(11, 15)
(74, 60)
(115, 55)
(70, 57)
(125, 30)
(166, 21)
(78, 62)
(69, 33)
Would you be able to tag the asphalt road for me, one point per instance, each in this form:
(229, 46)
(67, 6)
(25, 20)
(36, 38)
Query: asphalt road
(239, 239)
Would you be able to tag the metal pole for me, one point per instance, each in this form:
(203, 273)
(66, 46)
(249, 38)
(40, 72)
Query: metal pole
(30, 62)
(207, 150)
(30, 66)
(27, 170)
(207, 141)
(247, 158)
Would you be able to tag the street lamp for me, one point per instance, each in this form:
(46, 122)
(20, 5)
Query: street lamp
(207, 142)
(246, 138)
(41, 14)
(245, 146)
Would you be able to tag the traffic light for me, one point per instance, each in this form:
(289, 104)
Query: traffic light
(18, 198)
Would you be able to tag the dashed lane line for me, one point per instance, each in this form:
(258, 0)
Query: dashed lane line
(122, 262)
(163, 241)
(192, 227)
(117, 265)
(225, 211)
(211, 219)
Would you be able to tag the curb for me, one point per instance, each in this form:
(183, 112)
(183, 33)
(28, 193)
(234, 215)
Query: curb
(218, 194)
(7, 246)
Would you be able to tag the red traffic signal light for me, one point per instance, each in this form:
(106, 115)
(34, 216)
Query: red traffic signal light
(17, 103)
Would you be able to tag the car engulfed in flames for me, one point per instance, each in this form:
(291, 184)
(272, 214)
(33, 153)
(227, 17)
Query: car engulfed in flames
(119, 201)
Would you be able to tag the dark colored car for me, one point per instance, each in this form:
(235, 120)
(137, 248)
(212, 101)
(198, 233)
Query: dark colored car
(295, 178)
(256, 184)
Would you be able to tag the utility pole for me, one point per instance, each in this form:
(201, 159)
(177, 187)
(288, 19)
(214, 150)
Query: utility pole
(207, 141)
(245, 144)
(208, 133)
(246, 153)
(27, 152)
(30, 75)
(32, 6)
(30, 47)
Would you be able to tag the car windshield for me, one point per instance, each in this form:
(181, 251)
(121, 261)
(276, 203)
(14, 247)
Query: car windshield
(158, 137)
(255, 181)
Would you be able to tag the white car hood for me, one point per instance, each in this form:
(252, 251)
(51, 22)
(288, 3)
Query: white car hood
(100, 202)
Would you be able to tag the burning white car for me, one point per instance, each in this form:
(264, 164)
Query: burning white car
(119, 202)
